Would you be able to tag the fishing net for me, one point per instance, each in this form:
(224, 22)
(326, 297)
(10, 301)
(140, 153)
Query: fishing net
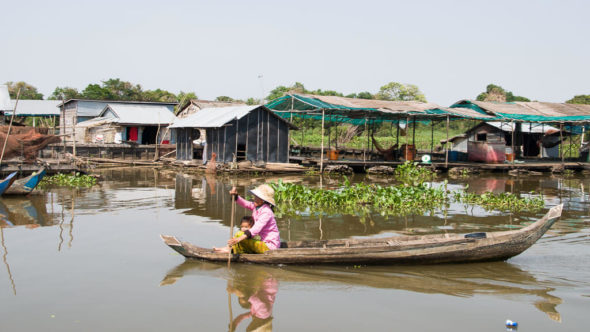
(25, 142)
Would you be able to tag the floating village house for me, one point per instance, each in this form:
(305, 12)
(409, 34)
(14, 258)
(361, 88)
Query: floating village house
(138, 123)
(237, 133)
(528, 123)
(75, 111)
(491, 142)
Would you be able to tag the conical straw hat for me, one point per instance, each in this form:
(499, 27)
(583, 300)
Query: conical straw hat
(265, 193)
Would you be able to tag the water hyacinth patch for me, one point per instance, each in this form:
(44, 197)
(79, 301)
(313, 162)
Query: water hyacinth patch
(358, 199)
(76, 180)
(413, 196)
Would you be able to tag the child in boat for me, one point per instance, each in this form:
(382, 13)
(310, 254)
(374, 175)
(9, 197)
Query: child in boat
(265, 224)
(246, 223)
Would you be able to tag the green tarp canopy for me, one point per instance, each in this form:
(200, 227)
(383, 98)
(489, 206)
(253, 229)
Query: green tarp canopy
(295, 105)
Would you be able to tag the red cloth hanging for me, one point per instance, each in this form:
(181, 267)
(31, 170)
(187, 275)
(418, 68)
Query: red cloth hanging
(133, 134)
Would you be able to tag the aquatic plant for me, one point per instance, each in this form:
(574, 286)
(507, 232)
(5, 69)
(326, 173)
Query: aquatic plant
(69, 180)
(358, 199)
(363, 199)
(410, 174)
(502, 202)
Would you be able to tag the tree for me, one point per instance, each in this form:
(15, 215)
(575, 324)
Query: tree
(225, 99)
(361, 95)
(321, 92)
(398, 91)
(96, 92)
(158, 95)
(65, 93)
(579, 99)
(184, 98)
(498, 94)
(253, 101)
(27, 91)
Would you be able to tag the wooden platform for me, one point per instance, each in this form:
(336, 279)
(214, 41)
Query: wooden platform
(532, 165)
(52, 166)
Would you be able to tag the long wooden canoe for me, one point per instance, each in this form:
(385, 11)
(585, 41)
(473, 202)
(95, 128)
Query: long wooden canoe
(25, 185)
(428, 249)
(7, 182)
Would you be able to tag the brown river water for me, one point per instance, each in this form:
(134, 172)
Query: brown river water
(92, 260)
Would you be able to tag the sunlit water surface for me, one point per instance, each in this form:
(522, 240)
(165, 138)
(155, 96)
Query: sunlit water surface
(92, 260)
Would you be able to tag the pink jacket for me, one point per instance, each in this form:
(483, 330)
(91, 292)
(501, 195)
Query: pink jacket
(265, 224)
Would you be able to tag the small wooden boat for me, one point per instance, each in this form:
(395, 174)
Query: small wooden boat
(25, 185)
(6, 183)
(428, 249)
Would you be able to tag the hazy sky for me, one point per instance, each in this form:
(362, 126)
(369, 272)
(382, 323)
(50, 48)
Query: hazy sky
(450, 49)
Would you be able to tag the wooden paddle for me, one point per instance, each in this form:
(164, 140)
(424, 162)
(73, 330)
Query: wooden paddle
(231, 227)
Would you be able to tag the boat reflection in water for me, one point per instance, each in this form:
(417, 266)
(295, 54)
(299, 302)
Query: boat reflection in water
(255, 288)
(258, 284)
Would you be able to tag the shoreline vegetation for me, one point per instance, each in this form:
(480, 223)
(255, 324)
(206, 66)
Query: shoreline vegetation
(413, 195)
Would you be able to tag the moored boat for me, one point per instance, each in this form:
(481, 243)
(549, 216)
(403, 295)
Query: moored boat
(7, 182)
(25, 185)
(427, 249)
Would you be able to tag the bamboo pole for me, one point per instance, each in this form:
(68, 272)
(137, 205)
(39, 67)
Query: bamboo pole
(447, 144)
(322, 147)
(10, 126)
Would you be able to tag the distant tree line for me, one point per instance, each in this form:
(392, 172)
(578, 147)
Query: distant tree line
(117, 89)
(390, 91)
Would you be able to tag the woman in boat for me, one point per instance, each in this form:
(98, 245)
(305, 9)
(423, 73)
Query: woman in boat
(265, 224)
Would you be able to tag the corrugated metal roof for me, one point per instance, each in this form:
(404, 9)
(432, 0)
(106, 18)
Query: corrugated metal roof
(526, 127)
(4, 98)
(35, 107)
(214, 117)
(140, 114)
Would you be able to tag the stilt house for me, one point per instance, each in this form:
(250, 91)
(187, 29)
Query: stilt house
(237, 133)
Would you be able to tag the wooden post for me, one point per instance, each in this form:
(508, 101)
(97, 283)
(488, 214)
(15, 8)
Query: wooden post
(414, 132)
(447, 144)
(368, 141)
(397, 135)
(322, 146)
(405, 152)
(267, 135)
(365, 151)
(224, 141)
(258, 135)
(432, 137)
(74, 136)
(247, 130)
(513, 152)
(571, 142)
(561, 154)
(236, 150)
(157, 150)
(10, 125)
(63, 116)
